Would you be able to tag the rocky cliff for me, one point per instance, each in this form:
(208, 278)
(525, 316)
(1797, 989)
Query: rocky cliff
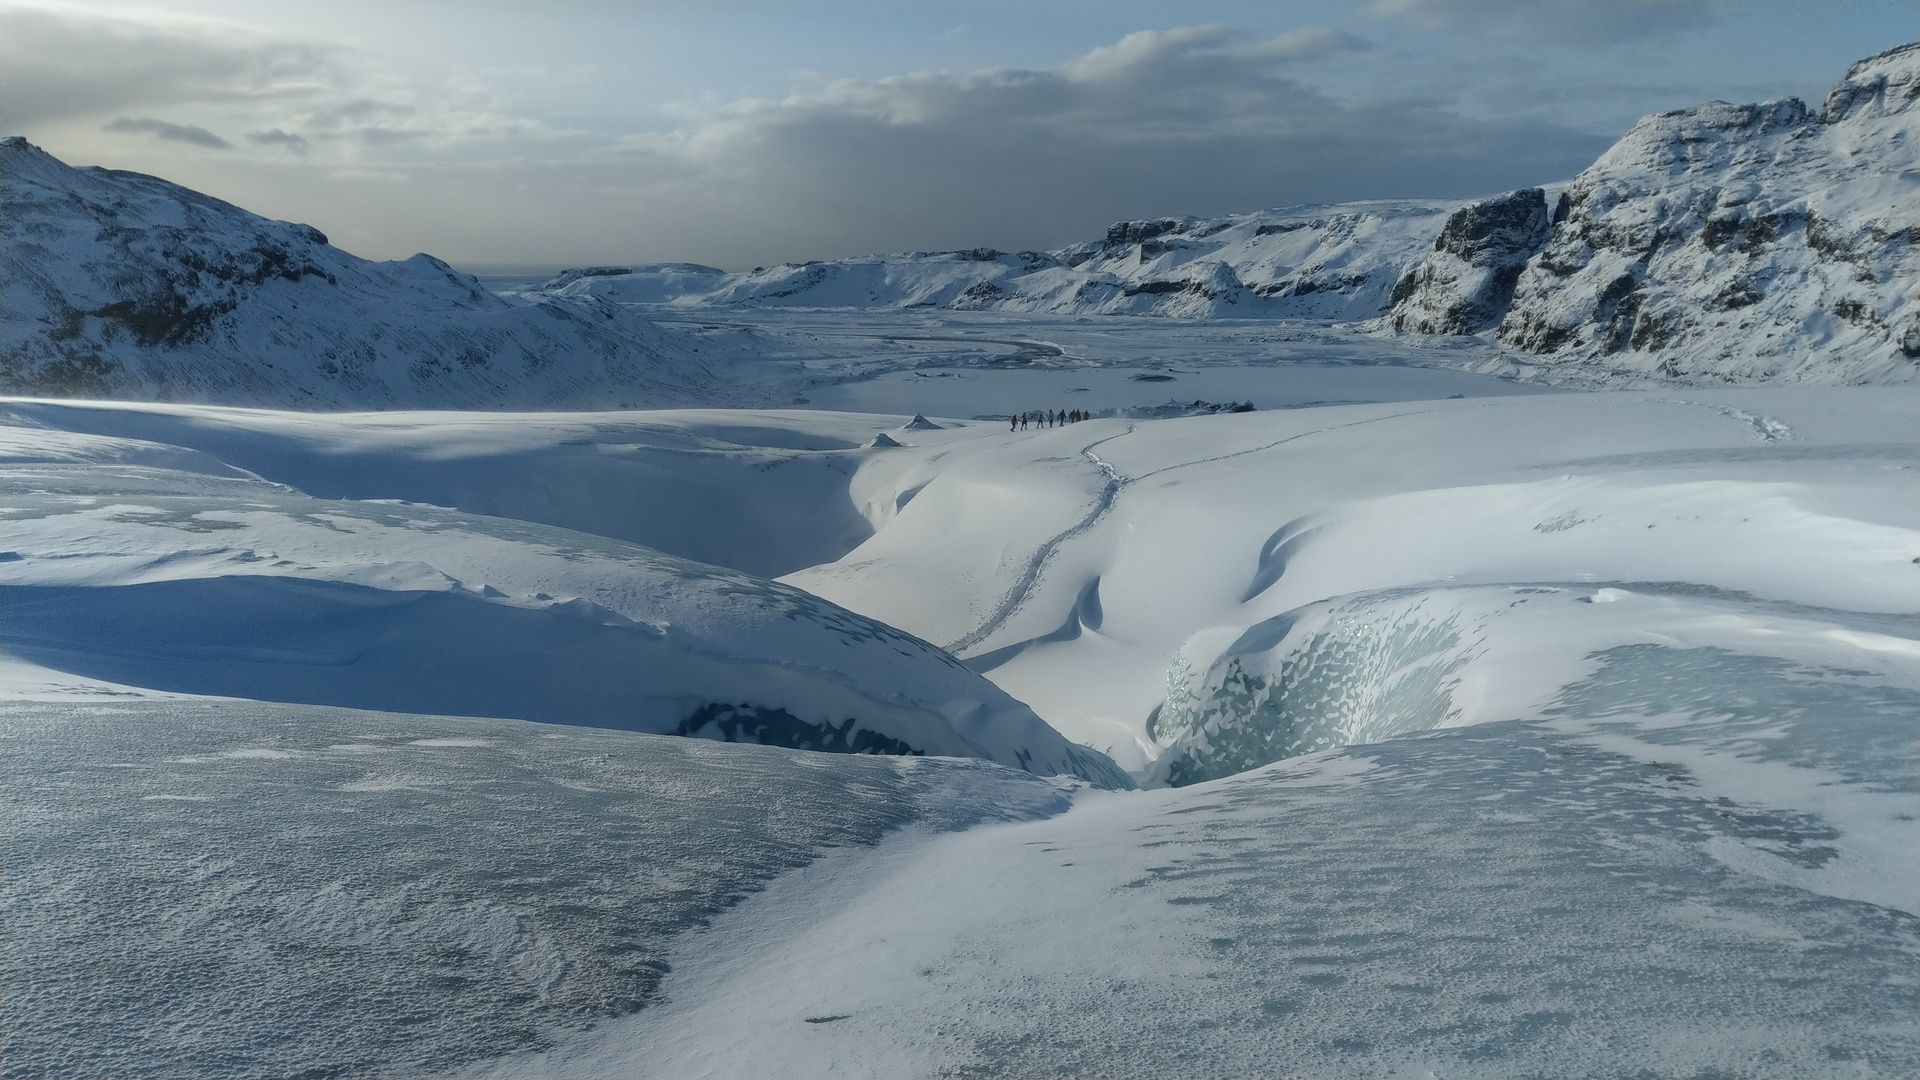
(1766, 242)
(1464, 286)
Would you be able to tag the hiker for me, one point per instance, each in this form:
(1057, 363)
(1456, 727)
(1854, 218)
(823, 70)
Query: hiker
(1013, 422)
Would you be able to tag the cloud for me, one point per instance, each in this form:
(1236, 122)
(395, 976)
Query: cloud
(1195, 120)
(277, 137)
(1311, 42)
(1182, 120)
(1558, 22)
(65, 64)
(160, 129)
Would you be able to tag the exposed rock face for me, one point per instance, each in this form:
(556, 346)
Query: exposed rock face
(121, 285)
(1741, 242)
(1463, 287)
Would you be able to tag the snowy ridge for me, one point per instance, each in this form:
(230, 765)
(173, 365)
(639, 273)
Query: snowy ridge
(121, 285)
(1313, 262)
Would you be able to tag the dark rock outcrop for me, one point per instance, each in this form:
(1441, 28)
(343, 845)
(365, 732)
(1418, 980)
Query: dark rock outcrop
(1464, 286)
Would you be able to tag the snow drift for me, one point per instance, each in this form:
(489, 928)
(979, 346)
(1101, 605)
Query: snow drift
(215, 584)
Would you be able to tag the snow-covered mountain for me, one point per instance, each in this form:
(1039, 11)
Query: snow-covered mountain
(1741, 243)
(1761, 242)
(1319, 262)
(1765, 242)
(121, 285)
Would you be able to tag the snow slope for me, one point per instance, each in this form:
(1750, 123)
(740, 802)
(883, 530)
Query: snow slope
(120, 285)
(1133, 580)
(1100, 570)
(213, 887)
(765, 493)
(203, 581)
(1643, 877)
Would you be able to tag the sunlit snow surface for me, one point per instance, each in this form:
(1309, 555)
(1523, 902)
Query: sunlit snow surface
(1515, 735)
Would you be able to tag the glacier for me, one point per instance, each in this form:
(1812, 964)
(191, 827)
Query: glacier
(1465, 638)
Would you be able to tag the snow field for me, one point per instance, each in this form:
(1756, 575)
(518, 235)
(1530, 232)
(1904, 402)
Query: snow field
(1573, 789)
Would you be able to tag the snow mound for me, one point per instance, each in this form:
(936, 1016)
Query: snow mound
(208, 584)
(1081, 567)
(919, 423)
(881, 441)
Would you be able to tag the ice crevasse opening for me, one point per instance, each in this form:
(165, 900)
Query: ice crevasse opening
(1374, 665)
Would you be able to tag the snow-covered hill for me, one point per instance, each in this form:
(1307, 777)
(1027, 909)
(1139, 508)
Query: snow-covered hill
(1319, 262)
(121, 285)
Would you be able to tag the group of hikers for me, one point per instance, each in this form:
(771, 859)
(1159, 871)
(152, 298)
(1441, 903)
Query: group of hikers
(1046, 418)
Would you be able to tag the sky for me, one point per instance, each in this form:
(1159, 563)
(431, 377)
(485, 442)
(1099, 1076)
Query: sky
(531, 136)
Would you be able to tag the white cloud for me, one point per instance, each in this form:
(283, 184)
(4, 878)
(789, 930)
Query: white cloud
(67, 64)
(1583, 22)
(1198, 120)
(1192, 120)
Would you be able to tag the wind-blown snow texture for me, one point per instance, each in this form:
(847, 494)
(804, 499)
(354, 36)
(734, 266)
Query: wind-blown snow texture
(225, 888)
